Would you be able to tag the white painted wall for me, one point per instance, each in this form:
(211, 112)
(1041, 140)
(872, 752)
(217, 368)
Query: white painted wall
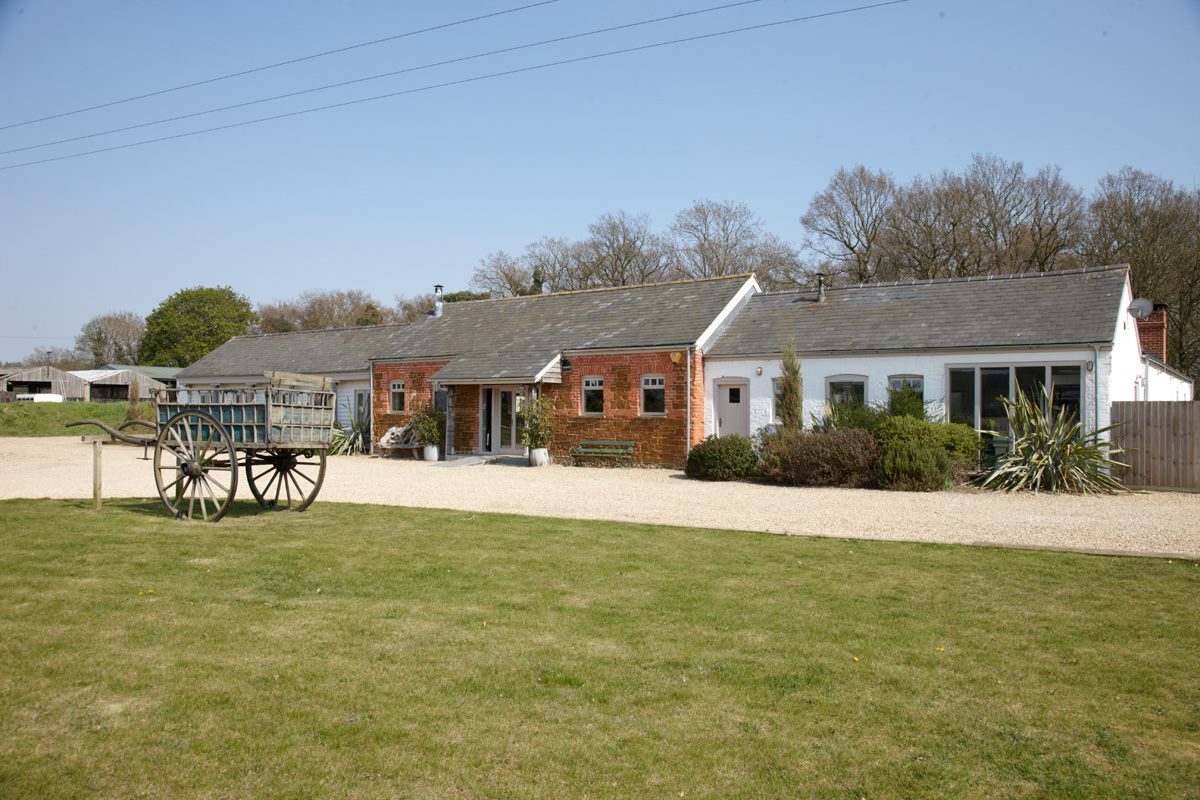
(1124, 379)
(816, 370)
(1165, 385)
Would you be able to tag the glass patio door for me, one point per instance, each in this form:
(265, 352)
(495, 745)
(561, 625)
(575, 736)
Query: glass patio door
(501, 427)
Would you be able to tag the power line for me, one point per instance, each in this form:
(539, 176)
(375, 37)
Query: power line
(265, 67)
(461, 81)
(419, 68)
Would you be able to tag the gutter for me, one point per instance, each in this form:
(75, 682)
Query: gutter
(1096, 388)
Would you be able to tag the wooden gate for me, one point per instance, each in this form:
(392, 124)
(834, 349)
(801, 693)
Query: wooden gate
(1161, 439)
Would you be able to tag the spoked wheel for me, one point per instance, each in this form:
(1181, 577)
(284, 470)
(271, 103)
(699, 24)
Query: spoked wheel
(287, 479)
(195, 467)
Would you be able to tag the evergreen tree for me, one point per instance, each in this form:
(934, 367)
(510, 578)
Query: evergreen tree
(791, 390)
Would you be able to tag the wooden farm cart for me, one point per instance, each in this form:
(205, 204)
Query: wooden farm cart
(280, 430)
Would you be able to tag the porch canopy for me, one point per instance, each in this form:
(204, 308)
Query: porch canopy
(508, 366)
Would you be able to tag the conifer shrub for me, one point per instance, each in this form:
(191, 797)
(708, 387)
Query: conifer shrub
(721, 458)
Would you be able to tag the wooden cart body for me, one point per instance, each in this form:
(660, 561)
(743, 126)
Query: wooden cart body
(282, 429)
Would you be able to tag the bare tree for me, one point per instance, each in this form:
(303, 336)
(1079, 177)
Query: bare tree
(622, 250)
(111, 338)
(60, 357)
(559, 265)
(845, 222)
(503, 275)
(712, 239)
(1154, 226)
(321, 310)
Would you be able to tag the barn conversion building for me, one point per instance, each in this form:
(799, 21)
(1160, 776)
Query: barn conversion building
(665, 365)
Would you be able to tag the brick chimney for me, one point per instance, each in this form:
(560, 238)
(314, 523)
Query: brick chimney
(1152, 332)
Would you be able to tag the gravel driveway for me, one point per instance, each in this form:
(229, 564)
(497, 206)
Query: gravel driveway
(1156, 523)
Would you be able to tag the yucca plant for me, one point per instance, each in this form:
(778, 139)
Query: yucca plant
(356, 438)
(1050, 453)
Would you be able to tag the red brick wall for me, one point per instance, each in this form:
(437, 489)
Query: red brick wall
(418, 391)
(1152, 332)
(660, 439)
(466, 418)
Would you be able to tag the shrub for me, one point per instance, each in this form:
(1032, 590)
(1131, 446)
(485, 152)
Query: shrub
(353, 439)
(913, 466)
(429, 425)
(1050, 453)
(846, 416)
(906, 402)
(836, 457)
(959, 443)
(721, 458)
(537, 418)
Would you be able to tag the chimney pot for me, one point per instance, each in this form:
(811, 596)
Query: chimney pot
(820, 287)
(438, 305)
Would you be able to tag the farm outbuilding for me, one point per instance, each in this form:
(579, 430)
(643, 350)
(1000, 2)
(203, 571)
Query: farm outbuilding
(105, 385)
(46, 380)
(101, 385)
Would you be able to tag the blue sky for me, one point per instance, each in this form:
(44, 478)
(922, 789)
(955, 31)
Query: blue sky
(396, 195)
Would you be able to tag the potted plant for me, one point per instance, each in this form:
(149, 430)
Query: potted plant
(537, 429)
(429, 424)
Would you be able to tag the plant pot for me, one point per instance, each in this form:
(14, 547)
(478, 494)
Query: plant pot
(539, 457)
(429, 452)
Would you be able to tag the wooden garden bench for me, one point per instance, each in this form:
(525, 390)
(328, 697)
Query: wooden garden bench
(621, 452)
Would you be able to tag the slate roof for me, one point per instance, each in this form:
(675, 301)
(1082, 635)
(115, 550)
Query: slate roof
(313, 352)
(508, 339)
(515, 338)
(1068, 307)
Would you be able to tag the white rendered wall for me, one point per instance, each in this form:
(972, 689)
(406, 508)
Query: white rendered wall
(816, 370)
(1127, 369)
(1166, 385)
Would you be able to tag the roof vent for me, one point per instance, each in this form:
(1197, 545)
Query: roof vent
(438, 305)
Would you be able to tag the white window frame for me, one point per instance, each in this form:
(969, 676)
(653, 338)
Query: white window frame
(661, 386)
(394, 388)
(846, 378)
(598, 384)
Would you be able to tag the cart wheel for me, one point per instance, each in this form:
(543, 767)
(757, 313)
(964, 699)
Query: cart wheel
(287, 479)
(195, 466)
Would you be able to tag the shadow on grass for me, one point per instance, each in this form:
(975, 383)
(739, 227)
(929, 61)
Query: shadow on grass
(154, 508)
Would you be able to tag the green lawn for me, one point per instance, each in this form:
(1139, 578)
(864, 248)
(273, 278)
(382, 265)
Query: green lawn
(48, 419)
(357, 651)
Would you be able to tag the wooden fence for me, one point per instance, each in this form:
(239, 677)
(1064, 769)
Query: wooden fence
(1161, 440)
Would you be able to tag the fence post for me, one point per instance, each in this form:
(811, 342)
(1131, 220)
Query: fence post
(96, 475)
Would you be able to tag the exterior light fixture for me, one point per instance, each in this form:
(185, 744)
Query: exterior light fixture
(758, 371)
(1091, 365)
(675, 357)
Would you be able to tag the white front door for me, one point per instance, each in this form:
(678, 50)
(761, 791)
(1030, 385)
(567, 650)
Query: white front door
(733, 409)
(499, 426)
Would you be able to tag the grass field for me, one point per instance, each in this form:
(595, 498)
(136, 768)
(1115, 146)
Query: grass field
(48, 419)
(369, 652)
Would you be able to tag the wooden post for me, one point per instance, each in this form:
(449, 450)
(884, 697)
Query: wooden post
(96, 474)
